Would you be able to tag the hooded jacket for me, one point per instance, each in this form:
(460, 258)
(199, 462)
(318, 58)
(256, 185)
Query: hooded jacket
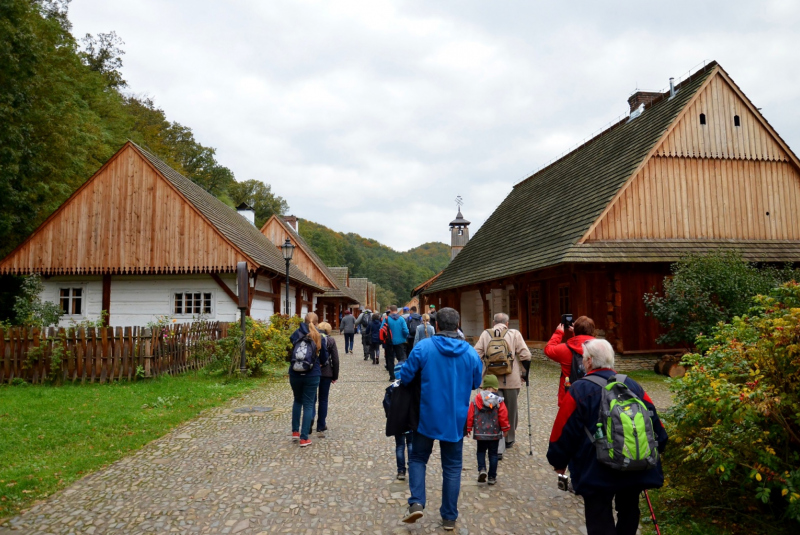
(450, 370)
(374, 331)
(570, 445)
(322, 355)
(363, 322)
(399, 328)
(561, 353)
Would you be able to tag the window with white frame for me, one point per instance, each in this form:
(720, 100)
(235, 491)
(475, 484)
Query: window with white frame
(189, 303)
(71, 301)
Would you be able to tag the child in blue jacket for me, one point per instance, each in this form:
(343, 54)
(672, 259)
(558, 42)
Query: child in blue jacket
(374, 335)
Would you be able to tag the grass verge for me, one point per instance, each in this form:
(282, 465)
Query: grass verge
(52, 436)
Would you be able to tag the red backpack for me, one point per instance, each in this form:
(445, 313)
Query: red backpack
(386, 332)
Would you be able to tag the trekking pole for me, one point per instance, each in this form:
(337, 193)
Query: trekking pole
(528, 393)
(652, 513)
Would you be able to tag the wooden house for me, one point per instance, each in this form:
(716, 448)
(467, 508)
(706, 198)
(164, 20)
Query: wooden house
(691, 170)
(138, 240)
(336, 296)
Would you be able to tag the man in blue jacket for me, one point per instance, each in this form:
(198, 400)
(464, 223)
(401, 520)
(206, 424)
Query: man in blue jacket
(570, 446)
(449, 370)
(396, 349)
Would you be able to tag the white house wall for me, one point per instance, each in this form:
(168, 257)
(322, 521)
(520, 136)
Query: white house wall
(471, 313)
(92, 287)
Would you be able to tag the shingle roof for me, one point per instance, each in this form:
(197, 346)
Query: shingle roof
(358, 287)
(239, 231)
(673, 250)
(545, 215)
(340, 272)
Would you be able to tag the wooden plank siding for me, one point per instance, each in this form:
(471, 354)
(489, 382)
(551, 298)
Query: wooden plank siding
(277, 234)
(127, 219)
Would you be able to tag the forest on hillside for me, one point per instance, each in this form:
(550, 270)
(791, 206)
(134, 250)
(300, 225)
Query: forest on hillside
(395, 273)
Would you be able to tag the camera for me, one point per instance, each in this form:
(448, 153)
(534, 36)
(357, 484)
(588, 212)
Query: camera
(563, 482)
(566, 321)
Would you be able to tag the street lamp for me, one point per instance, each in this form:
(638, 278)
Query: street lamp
(288, 250)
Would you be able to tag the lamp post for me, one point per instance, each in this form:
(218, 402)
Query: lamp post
(288, 250)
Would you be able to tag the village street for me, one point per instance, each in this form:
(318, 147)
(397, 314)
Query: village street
(229, 472)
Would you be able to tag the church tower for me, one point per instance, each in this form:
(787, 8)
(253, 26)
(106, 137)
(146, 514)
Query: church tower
(459, 232)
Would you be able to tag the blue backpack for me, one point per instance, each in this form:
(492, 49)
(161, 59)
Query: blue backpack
(304, 355)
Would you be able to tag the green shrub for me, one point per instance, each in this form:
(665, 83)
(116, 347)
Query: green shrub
(736, 417)
(707, 289)
(267, 344)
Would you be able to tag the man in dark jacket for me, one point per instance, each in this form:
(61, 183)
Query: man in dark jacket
(348, 328)
(571, 446)
(363, 322)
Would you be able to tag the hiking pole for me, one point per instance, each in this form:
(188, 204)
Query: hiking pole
(652, 513)
(528, 393)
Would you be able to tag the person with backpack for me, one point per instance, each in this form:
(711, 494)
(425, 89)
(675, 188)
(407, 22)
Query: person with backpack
(348, 328)
(413, 321)
(487, 421)
(306, 357)
(374, 335)
(570, 353)
(401, 419)
(600, 418)
(362, 323)
(329, 374)
(395, 334)
(424, 330)
(506, 355)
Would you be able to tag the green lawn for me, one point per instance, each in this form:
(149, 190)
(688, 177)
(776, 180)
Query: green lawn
(51, 436)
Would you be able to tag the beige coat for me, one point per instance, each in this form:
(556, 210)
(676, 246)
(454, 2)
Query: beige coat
(517, 346)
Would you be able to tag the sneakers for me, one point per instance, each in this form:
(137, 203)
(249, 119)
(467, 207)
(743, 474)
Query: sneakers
(321, 433)
(492, 480)
(304, 443)
(482, 476)
(414, 513)
(401, 476)
(295, 436)
(448, 525)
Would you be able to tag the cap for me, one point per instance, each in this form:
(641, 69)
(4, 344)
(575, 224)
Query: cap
(405, 309)
(490, 381)
(433, 306)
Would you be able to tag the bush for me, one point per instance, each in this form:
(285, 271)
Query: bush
(707, 289)
(267, 344)
(736, 417)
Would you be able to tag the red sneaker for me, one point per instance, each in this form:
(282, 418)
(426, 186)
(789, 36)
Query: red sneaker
(304, 443)
(295, 436)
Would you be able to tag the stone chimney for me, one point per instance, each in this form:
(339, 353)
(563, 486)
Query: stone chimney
(642, 97)
(292, 221)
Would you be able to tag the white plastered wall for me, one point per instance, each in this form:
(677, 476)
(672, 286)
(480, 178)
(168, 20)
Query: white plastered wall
(471, 313)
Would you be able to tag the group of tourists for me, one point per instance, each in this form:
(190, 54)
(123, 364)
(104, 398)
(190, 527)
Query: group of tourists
(607, 431)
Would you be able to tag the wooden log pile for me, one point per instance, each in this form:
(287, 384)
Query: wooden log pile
(670, 365)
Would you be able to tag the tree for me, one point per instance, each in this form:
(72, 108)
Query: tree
(31, 310)
(103, 55)
(258, 195)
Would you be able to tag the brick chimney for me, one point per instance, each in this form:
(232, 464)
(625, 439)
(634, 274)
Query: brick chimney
(642, 97)
(291, 220)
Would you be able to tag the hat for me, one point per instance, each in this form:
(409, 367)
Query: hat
(405, 309)
(433, 306)
(490, 381)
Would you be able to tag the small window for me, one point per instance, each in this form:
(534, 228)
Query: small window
(461, 232)
(536, 302)
(563, 299)
(702, 118)
(71, 301)
(187, 303)
(736, 121)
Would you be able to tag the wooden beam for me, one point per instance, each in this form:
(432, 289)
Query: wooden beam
(106, 306)
(298, 300)
(276, 299)
(225, 288)
(266, 295)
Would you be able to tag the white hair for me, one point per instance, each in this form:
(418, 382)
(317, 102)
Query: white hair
(501, 317)
(601, 352)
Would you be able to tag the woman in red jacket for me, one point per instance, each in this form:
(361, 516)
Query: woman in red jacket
(582, 329)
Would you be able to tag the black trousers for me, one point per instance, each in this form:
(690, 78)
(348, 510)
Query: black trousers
(394, 353)
(600, 518)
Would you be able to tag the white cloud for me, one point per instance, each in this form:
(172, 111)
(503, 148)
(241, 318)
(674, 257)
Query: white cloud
(371, 116)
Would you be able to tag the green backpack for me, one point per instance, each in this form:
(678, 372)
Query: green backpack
(624, 438)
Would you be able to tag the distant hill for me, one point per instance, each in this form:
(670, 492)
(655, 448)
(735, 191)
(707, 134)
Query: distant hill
(396, 273)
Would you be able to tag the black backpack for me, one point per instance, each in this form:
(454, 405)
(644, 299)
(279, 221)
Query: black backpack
(304, 355)
(576, 371)
(413, 323)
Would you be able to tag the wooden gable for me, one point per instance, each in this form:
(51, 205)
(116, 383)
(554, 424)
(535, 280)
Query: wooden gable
(710, 181)
(127, 218)
(276, 232)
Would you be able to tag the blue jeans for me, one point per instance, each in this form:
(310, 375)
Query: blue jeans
(451, 473)
(348, 341)
(489, 446)
(305, 393)
(400, 443)
(322, 413)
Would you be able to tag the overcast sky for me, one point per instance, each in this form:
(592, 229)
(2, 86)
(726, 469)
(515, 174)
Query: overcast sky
(373, 116)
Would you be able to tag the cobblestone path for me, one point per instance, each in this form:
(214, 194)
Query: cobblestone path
(240, 473)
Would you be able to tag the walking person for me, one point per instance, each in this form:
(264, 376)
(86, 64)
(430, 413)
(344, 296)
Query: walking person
(396, 343)
(329, 374)
(449, 370)
(569, 354)
(362, 323)
(413, 321)
(307, 356)
(348, 327)
(424, 330)
(597, 476)
(510, 379)
(402, 418)
(487, 421)
(374, 335)
(432, 315)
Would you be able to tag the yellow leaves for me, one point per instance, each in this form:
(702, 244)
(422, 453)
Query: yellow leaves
(794, 497)
(758, 477)
(784, 492)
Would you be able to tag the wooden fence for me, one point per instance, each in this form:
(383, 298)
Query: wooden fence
(106, 353)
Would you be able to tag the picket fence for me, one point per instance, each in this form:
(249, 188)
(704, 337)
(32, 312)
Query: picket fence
(106, 353)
